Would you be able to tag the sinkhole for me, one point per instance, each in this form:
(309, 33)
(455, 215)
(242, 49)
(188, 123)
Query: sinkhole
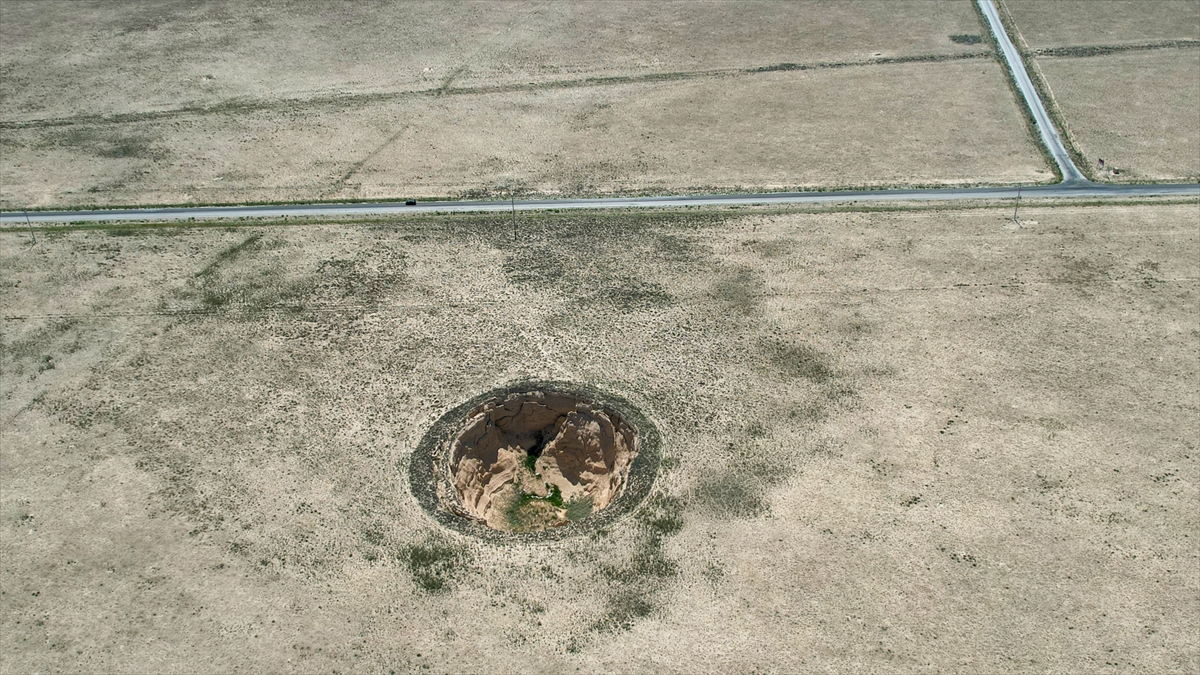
(537, 458)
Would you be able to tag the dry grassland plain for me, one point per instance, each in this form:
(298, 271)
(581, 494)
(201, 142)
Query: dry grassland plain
(1137, 105)
(910, 441)
(179, 102)
(1073, 23)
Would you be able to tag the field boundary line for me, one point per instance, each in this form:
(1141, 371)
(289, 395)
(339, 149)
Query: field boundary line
(365, 99)
(1087, 51)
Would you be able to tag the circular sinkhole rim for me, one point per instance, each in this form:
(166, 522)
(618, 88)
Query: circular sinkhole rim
(428, 464)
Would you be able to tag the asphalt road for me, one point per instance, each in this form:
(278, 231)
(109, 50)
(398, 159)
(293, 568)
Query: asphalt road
(1049, 134)
(1074, 184)
(1077, 189)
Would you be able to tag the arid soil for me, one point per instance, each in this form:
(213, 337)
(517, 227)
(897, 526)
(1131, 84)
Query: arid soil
(1125, 77)
(175, 103)
(659, 137)
(892, 441)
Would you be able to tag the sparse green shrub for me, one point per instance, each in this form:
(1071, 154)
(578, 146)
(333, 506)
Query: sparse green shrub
(635, 581)
(756, 429)
(127, 147)
(434, 563)
(623, 610)
(740, 291)
(661, 516)
(632, 293)
(730, 496)
(771, 248)
(798, 360)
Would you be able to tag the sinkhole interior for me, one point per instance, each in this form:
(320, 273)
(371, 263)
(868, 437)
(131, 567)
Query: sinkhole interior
(531, 461)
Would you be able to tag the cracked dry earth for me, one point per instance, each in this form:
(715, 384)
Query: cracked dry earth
(537, 460)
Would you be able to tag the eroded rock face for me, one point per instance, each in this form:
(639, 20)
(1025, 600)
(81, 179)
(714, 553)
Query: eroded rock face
(537, 460)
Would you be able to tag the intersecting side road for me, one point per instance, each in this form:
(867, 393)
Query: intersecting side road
(1050, 137)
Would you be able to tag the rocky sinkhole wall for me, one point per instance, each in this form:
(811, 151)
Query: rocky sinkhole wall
(536, 460)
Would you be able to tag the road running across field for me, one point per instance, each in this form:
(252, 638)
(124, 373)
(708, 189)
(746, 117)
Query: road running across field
(1073, 186)
(1073, 190)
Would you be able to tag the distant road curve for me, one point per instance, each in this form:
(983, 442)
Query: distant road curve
(1073, 186)
(1066, 190)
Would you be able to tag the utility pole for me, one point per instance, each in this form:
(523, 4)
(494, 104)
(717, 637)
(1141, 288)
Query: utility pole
(1018, 205)
(512, 200)
(32, 236)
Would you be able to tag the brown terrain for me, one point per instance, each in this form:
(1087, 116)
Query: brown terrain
(892, 441)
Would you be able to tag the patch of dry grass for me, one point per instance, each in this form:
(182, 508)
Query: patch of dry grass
(913, 123)
(1063, 23)
(1137, 111)
(173, 54)
(1125, 76)
(268, 103)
